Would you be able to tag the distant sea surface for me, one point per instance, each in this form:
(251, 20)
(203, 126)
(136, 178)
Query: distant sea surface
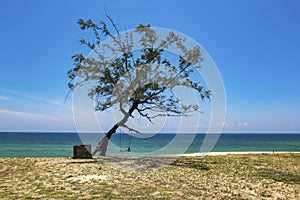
(36, 144)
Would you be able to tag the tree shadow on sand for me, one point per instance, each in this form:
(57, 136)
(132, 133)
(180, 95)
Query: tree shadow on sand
(195, 163)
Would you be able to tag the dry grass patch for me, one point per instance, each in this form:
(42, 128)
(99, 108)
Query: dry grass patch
(251, 176)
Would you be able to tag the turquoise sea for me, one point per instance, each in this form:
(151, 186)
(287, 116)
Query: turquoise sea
(18, 144)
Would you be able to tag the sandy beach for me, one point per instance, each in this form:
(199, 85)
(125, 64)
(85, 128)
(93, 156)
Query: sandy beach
(236, 152)
(230, 176)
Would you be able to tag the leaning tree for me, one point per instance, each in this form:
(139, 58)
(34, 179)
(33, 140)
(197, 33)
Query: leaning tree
(138, 82)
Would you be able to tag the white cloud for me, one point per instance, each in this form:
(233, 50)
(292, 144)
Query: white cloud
(58, 103)
(28, 112)
(232, 125)
(225, 124)
(12, 113)
(4, 98)
(49, 101)
(11, 120)
(245, 124)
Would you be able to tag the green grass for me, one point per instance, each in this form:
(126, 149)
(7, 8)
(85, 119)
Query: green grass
(191, 162)
(251, 176)
(279, 176)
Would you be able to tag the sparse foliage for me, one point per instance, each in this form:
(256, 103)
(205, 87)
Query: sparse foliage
(138, 82)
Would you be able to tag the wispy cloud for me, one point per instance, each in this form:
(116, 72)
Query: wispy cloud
(14, 92)
(231, 125)
(4, 98)
(11, 120)
(33, 97)
(25, 111)
(49, 101)
(243, 124)
(25, 114)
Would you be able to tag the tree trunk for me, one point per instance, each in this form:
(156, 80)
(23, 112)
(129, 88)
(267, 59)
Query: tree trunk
(103, 143)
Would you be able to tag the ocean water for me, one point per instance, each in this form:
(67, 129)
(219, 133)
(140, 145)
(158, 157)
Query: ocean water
(61, 144)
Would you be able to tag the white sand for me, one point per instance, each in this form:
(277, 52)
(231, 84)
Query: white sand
(234, 152)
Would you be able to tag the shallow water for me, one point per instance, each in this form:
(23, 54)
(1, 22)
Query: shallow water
(61, 144)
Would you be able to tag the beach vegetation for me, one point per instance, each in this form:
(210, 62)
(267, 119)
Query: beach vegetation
(139, 83)
(279, 176)
(249, 176)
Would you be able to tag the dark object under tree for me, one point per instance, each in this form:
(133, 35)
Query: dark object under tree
(83, 151)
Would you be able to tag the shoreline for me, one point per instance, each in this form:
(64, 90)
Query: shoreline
(177, 155)
(238, 153)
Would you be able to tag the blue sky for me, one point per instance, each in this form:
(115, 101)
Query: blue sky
(255, 45)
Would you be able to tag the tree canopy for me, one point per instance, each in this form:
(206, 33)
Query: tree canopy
(137, 81)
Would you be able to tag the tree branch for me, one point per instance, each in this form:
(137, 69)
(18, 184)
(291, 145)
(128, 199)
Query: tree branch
(144, 115)
(112, 22)
(170, 115)
(130, 129)
(121, 108)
